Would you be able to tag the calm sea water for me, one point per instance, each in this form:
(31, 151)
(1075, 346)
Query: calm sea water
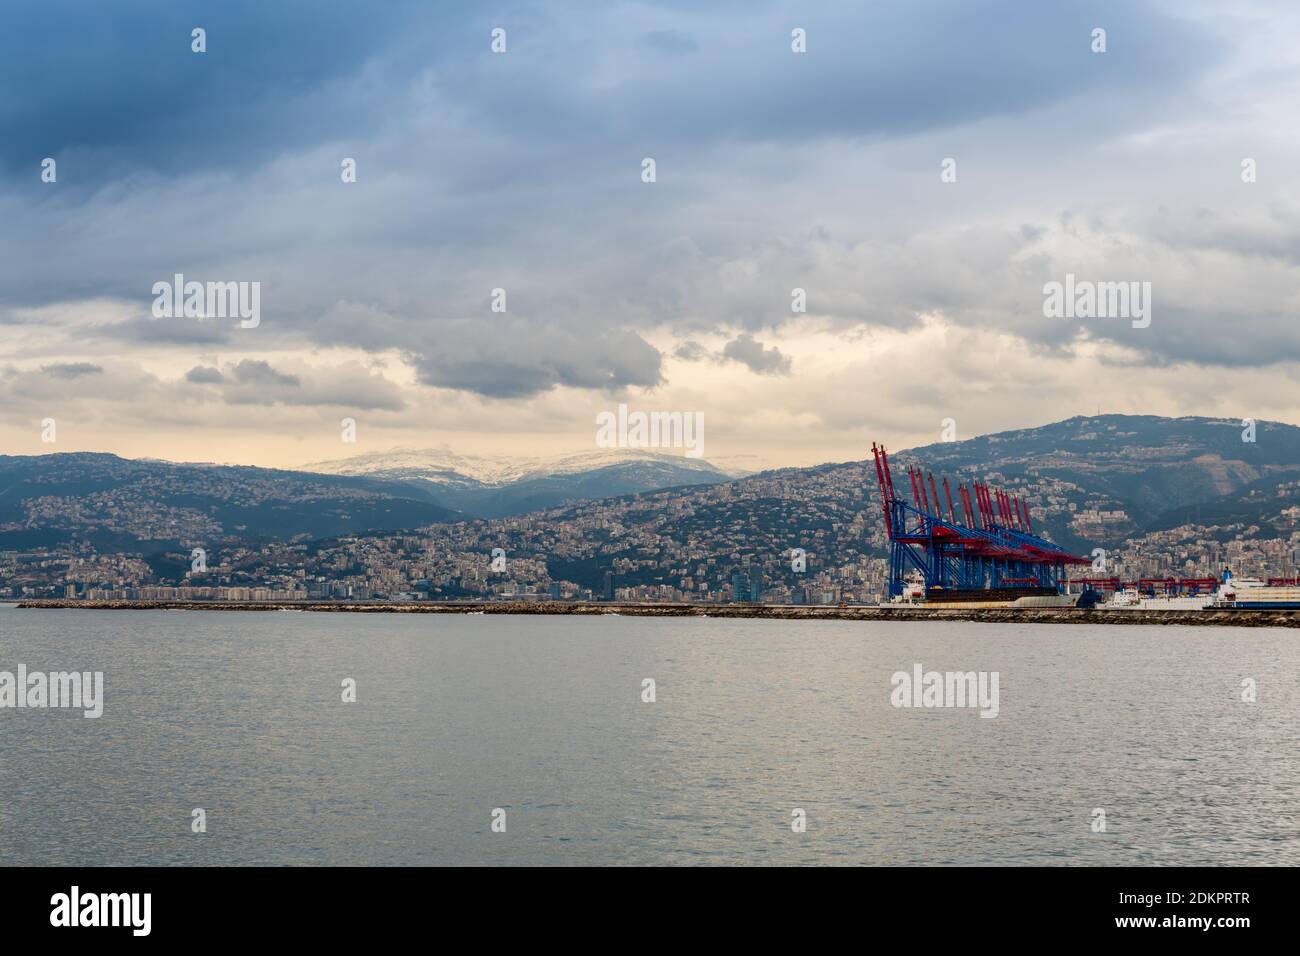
(241, 714)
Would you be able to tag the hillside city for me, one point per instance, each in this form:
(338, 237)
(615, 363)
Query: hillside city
(796, 536)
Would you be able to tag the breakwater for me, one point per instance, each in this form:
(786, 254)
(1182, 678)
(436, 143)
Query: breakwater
(1222, 618)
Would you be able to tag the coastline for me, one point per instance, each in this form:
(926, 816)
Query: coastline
(1211, 618)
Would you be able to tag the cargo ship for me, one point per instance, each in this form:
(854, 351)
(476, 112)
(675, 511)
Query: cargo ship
(1247, 594)
(961, 598)
(1130, 599)
(1251, 594)
(1028, 596)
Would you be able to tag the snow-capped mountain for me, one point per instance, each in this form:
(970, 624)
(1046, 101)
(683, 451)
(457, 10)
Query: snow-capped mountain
(493, 486)
(440, 466)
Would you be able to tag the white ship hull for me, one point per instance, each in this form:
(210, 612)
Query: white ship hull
(1261, 597)
(1199, 603)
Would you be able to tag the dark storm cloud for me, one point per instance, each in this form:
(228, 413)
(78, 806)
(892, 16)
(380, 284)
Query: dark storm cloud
(521, 170)
(109, 88)
(117, 85)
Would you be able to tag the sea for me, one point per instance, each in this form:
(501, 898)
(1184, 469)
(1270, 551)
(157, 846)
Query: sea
(299, 738)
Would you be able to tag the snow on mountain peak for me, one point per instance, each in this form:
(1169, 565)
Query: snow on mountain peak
(443, 466)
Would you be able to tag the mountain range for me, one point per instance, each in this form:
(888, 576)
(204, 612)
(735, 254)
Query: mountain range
(112, 503)
(1091, 481)
(493, 487)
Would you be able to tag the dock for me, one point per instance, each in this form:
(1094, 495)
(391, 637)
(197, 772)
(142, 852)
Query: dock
(1221, 617)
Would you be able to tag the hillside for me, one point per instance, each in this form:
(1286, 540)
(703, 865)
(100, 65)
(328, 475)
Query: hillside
(1128, 475)
(112, 503)
(1160, 495)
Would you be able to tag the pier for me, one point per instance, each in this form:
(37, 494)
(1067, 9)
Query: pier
(1224, 617)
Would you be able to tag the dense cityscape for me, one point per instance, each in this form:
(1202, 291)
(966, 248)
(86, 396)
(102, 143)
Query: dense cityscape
(798, 536)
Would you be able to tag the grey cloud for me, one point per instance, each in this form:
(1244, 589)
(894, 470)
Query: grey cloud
(670, 41)
(257, 372)
(72, 370)
(139, 98)
(691, 351)
(862, 75)
(751, 353)
(204, 375)
(516, 360)
(478, 171)
(350, 386)
(93, 383)
(175, 331)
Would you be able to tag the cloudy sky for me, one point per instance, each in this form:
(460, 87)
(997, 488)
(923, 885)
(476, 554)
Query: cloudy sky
(522, 170)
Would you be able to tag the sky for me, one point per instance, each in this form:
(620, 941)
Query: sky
(524, 171)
